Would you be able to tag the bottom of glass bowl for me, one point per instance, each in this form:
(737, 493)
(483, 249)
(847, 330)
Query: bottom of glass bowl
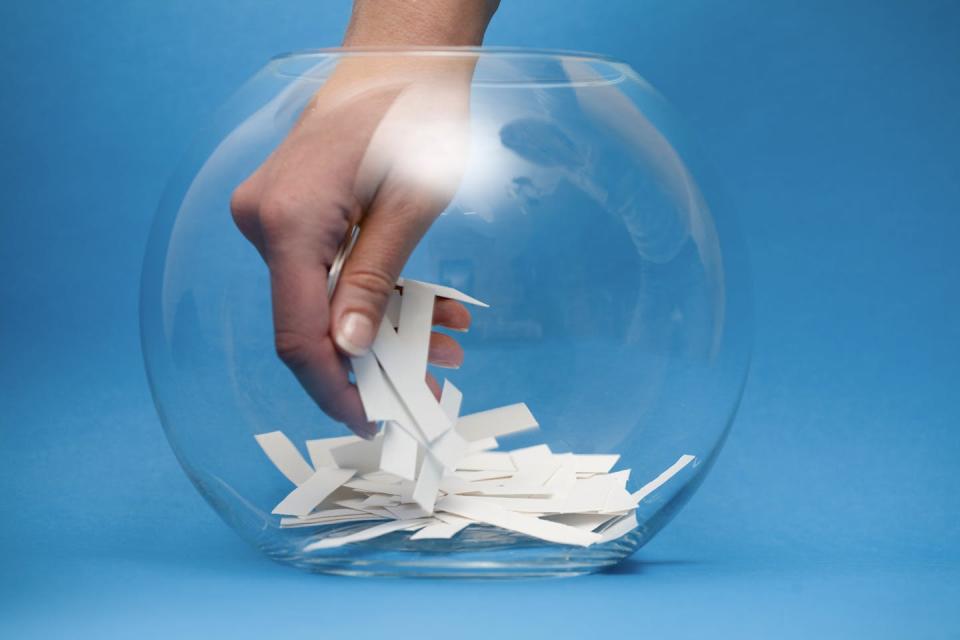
(477, 552)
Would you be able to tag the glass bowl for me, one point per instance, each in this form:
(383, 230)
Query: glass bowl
(617, 285)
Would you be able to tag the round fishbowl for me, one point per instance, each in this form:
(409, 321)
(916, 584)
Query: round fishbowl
(597, 386)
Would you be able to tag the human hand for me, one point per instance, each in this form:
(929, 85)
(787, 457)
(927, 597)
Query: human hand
(381, 145)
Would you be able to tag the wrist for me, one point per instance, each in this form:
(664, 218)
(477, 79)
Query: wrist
(384, 23)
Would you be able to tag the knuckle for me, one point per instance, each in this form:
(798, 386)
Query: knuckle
(294, 349)
(243, 204)
(373, 283)
(278, 214)
(322, 222)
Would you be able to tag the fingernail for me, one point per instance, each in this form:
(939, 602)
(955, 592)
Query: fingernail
(355, 334)
(369, 432)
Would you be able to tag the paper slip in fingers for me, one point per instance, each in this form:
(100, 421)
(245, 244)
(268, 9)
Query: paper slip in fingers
(369, 533)
(661, 479)
(308, 495)
(408, 381)
(496, 422)
(416, 323)
(379, 398)
(443, 292)
(392, 312)
(482, 511)
(285, 456)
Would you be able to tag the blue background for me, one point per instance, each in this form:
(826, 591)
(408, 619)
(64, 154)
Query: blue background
(834, 511)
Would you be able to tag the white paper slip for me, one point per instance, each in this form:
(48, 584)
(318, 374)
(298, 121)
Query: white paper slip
(449, 449)
(379, 402)
(406, 511)
(319, 450)
(482, 511)
(484, 444)
(416, 323)
(536, 475)
(659, 481)
(487, 461)
(451, 399)
(408, 381)
(358, 505)
(399, 452)
(428, 483)
(474, 476)
(362, 456)
(440, 530)
(379, 500)
(619, 528)
(369, 486)
(442, 291)
(369, 533)
(496, 422)
(392, 312)
(594, 463)
(588, 495)
(294, 523)
(531, 455)
(587, 521)
(285, 456)
(308, 495)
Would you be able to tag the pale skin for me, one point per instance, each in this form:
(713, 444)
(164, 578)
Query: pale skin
(341, 165)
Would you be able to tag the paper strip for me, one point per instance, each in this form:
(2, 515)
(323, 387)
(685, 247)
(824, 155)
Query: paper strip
(440, 530)
(481, 510)
(444, 292)
(657, 482)
(594, 463)
(285, 456)
(487, 461)
(399, 453)
(531, 455)
(620, 528)
(416, 322)
(392, 312)
(496, 422)
(319, 450)
(428, 483)
(366, 534)
(409, 384)
(362, 455)
(484, 444)
(308, 495)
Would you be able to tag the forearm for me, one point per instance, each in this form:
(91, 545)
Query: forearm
(419, 22)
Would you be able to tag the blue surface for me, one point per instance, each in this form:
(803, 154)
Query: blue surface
(832, 513)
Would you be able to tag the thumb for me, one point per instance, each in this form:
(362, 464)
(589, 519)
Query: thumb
(370, 273)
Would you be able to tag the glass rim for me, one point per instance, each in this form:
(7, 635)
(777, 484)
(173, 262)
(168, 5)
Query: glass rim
(604, 69)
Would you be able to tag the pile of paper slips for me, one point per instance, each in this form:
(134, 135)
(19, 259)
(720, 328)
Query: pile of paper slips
(433, 472)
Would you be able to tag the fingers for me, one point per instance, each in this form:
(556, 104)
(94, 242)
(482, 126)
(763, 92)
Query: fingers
(451, 314)
(299, 290)
(445, 351)
(434, 386)
(389, 233)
